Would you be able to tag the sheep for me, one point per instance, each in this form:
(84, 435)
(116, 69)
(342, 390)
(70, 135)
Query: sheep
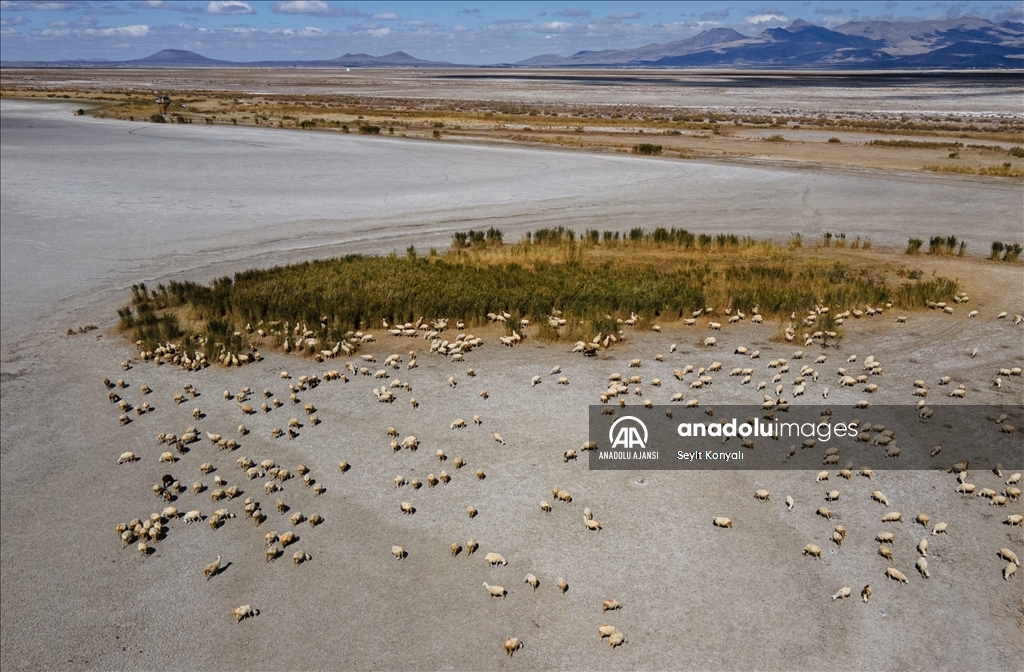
(471, 511)
(922, 547)
(592, 524)
(244, 611)
(722, 521)
(1012, 492)
(1014, 520)
(1009, 571)
(497, 438)
(193, 516)
(892, 517)
(480, 474)
(495, 591)
(564, 496)
(212, 569)
(493, 559)
(545, 507)
(822, 476)
(865, 593)
(885, 552)
(287, 538)
(562, 585)
(1013, 480)
(966, 489)
(512, 644)
(459, 462)
(1007, 554)
(471, 547)
(812, 550)
(879, 497)
(896, 575)
(127, 457)
(616, 639)
(789, 502)
(763, 495)
(824, 512)
(407, 508)
(832, 496)
(843, 593)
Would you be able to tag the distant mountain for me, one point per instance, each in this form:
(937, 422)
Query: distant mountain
(969, 42)
(954, 44)
(179, 58)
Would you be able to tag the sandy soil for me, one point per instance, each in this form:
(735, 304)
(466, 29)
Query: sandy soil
(693, 597)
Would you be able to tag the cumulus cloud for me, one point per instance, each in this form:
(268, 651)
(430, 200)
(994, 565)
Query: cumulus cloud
(379, 32)
(119, 31)
(554, 26)
(313, 8)
(229, 7)
(15, 21)
(758, 19)
(386, 16)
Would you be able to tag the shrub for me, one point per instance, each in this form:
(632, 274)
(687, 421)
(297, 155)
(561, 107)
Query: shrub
(774, 138)
(157, 119)
(1016, 151)
(79, 112)
(367, 129)
(647, 148)
(834, 140)
(914, 245)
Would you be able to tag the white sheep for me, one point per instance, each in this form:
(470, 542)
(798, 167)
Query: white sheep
(244, 611)
(495, 591)
(493, 559)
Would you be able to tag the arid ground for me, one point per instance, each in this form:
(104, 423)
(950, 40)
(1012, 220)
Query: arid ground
(92, 205)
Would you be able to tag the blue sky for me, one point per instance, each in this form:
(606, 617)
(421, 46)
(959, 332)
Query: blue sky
(460, 32)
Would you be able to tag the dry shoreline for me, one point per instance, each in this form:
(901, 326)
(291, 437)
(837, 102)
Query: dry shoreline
(692, 599)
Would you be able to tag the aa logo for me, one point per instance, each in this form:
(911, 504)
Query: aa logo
(628, 432)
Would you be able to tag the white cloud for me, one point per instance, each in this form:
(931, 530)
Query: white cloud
(557, 26)
(766, 18)
(41, 6)
(379, 32)
(386, 16)
(313, 8)
(16, 21)
(129, 31)
(229, 7)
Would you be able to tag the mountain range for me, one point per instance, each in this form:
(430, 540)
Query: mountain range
(957, 44)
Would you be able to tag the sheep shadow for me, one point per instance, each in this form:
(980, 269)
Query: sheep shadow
(221, 569)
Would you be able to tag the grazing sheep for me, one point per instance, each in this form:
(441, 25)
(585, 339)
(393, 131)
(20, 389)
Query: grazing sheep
(896, 575)
(545, 507)
(497, 437)
(1009, 571)
(127, 457)
(865, 593)
(1007, 554)
(789, 502)
(244, 611)
(822, 476)
(1013, 480)
(616, 639)
(922, 547)
(495, 591)
(493, 559)
(879, 497)
(824, 512)
(471, 547)
(922, 566)
(843, 593)
(212, 568)
(569, 455)
(722, 522)
(562, 585)
(398, 552)
(480, 474)
(592, 524)
(1015, 520)
(610, 605)
(831, 495)
(205, 468)
(193, 516)
(812, 550)
(564, 496)
(924, 519)
(940, 528)
(966, 489)
(885, 552)
(606, 631)
(407, 508)
(512, 644)
(471, 512)
(892, 517)
(532, 580)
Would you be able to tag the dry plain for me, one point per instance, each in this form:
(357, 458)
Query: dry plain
(90, 206)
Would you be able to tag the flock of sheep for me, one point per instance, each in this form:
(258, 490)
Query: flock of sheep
(774, 382)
